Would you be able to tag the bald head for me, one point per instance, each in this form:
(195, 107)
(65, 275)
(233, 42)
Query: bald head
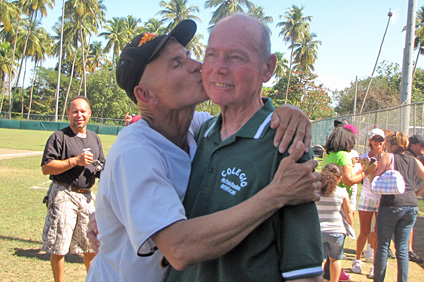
(255, 31)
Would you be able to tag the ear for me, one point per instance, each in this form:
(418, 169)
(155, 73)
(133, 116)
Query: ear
(144, 95)
(270, 64)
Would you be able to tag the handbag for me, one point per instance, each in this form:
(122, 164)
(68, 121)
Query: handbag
(391, 182)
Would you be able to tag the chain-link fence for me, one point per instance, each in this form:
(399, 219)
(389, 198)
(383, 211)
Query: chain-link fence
(37, 117)
(387, 119)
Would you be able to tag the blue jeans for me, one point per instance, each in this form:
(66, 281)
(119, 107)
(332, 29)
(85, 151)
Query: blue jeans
(398, 221)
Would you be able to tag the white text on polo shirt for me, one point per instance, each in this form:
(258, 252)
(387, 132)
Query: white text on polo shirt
(230, 186)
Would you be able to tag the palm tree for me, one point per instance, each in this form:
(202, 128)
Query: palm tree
(44, 49)
(306, 53)
(5, 65)
(87, 15)
(118, 34)
(13, 36)
(8, 11)
(175, 11)
(131, 27)
(226, 8)
(95, 59)
(281, 65)
(258, 13)
(419, 36)
(31, 8)
(154, 26)
(293, 29)
(67, 37)
(196, 46)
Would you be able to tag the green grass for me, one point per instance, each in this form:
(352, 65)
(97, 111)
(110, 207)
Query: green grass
(35, 140)
(22, 213)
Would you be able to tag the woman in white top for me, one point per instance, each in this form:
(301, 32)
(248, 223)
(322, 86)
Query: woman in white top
(333, 201)
(368, 202)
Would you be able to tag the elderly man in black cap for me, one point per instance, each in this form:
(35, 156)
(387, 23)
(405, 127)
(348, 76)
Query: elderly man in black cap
(140, 216)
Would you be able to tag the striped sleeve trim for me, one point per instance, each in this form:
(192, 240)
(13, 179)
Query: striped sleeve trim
(306, 272)
(262, 127)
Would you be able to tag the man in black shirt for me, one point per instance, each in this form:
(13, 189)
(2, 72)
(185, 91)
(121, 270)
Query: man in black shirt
(71, 158)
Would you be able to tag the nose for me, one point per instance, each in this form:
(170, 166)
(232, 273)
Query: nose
(220, 65)
(195, 66)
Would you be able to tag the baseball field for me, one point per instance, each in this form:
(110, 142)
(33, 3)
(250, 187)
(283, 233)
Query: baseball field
(22, 213)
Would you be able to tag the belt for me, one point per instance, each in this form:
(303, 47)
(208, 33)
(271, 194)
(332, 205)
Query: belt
(73, 188)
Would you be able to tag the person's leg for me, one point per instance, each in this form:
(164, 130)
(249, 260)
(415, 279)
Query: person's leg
(57, 262)
(57, 233)
(386, 222)
(408, 215)
(88, 258)
(335, 269)
(411, 238)
(364, 230)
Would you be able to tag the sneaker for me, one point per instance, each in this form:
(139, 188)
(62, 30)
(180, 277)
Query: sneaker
(357, 266)
(414, 257)
(369, 255)
(344, 276)
(391, 254)
(371, 275)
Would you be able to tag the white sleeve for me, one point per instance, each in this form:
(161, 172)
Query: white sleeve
(198, 119)
(143, 197)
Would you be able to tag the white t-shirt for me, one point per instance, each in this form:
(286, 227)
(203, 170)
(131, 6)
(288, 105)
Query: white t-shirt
(366, 186)
(140, 192)
(329, 211)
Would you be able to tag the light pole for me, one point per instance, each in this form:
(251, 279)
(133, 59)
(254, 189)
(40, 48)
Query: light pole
(356, 92)
(376, 61)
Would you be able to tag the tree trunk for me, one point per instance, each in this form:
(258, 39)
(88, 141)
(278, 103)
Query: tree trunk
(69, 86)
(83, 63)
(23, 88)
(11, 70)
(290, 68)
(3, 91)
(22, 61)
(108, 87)
(32, 88)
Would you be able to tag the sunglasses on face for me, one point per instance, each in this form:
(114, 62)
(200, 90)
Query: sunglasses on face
(378, 139)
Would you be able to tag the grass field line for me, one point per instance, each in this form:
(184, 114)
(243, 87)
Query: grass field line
(43, 186)
(22, 154)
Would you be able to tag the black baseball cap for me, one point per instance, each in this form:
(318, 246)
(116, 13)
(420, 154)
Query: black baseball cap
(414, 139)
(142, 49)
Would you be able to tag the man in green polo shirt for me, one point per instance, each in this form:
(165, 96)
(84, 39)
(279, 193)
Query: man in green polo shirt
(236, 159)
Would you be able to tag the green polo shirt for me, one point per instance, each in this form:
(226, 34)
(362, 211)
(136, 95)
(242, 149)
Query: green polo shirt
(224, 174)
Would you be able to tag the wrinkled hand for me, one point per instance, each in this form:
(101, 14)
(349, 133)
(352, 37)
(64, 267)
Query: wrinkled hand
(84, 159)
(297, 182)
(290, 120)
(92, 232)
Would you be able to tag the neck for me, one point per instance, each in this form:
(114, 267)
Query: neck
(234, 118)
(172, 124)
(80, 132)
(373, 152)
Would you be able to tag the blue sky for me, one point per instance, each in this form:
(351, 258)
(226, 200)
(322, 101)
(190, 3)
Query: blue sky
(350, 31)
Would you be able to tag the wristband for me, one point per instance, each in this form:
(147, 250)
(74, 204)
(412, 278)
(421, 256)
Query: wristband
(69, 162)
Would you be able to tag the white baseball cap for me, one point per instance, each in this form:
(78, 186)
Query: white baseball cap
(377, 131)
